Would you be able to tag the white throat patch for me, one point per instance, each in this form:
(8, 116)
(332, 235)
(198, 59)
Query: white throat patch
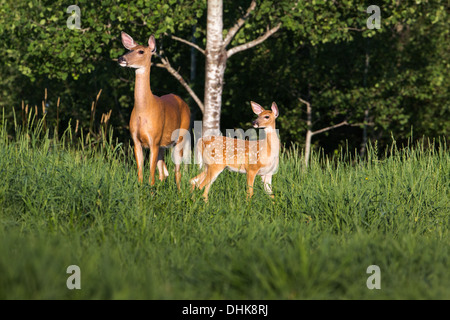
(140, 70)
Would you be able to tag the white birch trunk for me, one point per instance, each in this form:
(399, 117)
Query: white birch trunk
(216, 58)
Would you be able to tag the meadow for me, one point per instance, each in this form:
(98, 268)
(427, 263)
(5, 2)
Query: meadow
(66, 202)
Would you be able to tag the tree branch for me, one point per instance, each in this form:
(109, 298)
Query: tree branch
(193, 45)
(255, 42)
(233, 30)
(304, 101)
(352, 29)
(166, 65)
(343, 123)
(360, 124)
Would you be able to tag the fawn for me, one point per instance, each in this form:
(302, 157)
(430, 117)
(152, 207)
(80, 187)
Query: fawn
(259, 157)
(155, 121)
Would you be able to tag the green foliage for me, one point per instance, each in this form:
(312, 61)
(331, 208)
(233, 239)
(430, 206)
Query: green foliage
(402, 87)
(40, 42)
(318, 54)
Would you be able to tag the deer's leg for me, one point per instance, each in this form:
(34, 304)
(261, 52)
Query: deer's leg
(178, 159)
(139, 155)
(154, 151)
(178, 175)
(182, 150)
(267, 180)
(197, 180)
(251, 174)
(211, 175)
(162, 169)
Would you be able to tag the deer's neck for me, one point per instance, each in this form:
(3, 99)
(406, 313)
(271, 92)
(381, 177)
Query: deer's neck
(272, 140)
(143, 95)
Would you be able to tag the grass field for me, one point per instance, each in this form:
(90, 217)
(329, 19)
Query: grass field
(81, 205)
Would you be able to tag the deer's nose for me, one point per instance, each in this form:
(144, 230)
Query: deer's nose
(122, 61)
(255, 124)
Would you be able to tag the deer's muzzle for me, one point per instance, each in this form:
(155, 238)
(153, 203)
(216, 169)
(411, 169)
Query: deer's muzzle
(122, 61)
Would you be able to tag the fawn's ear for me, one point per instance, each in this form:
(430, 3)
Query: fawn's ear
(256, 107)
(128, 41)
(152, 43)
(275, 109)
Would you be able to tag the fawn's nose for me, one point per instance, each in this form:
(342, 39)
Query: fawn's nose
(255, 124)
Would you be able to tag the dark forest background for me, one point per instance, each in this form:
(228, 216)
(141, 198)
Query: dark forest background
(387, 82)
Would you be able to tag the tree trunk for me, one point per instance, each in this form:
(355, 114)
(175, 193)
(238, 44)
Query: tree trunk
(309, 130)
(309, 133)
(308, 147)
(216, 54)
(216, 58)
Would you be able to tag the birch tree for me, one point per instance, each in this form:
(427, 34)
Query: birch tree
(315, 22)
(404, 81)
(216, 56)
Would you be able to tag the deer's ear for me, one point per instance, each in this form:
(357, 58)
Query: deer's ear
(275, 109)
(152, 43)
(256, 107)
(128, 41)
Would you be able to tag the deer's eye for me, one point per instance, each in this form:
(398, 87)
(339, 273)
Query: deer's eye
(141, 51)
(266, 117)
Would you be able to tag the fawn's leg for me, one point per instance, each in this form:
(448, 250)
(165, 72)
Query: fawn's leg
(211, 175)
(197, 180)
(251, 174)
(267, 180)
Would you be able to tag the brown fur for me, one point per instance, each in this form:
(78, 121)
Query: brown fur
(153, 119)
(251, 157)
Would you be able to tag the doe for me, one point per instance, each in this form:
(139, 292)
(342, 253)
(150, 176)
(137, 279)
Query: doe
(155, 122)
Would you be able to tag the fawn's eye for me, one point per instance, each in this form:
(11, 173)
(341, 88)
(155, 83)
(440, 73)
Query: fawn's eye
(267, 117)
(141, 51)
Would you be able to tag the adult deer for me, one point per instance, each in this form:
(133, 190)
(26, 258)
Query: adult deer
(258, 157)
(155, 122)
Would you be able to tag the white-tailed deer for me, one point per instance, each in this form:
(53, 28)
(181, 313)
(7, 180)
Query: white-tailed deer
(153, 119)
(259, 157)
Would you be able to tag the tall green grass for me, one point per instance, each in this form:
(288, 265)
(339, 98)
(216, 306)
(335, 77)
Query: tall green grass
(67, 202)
